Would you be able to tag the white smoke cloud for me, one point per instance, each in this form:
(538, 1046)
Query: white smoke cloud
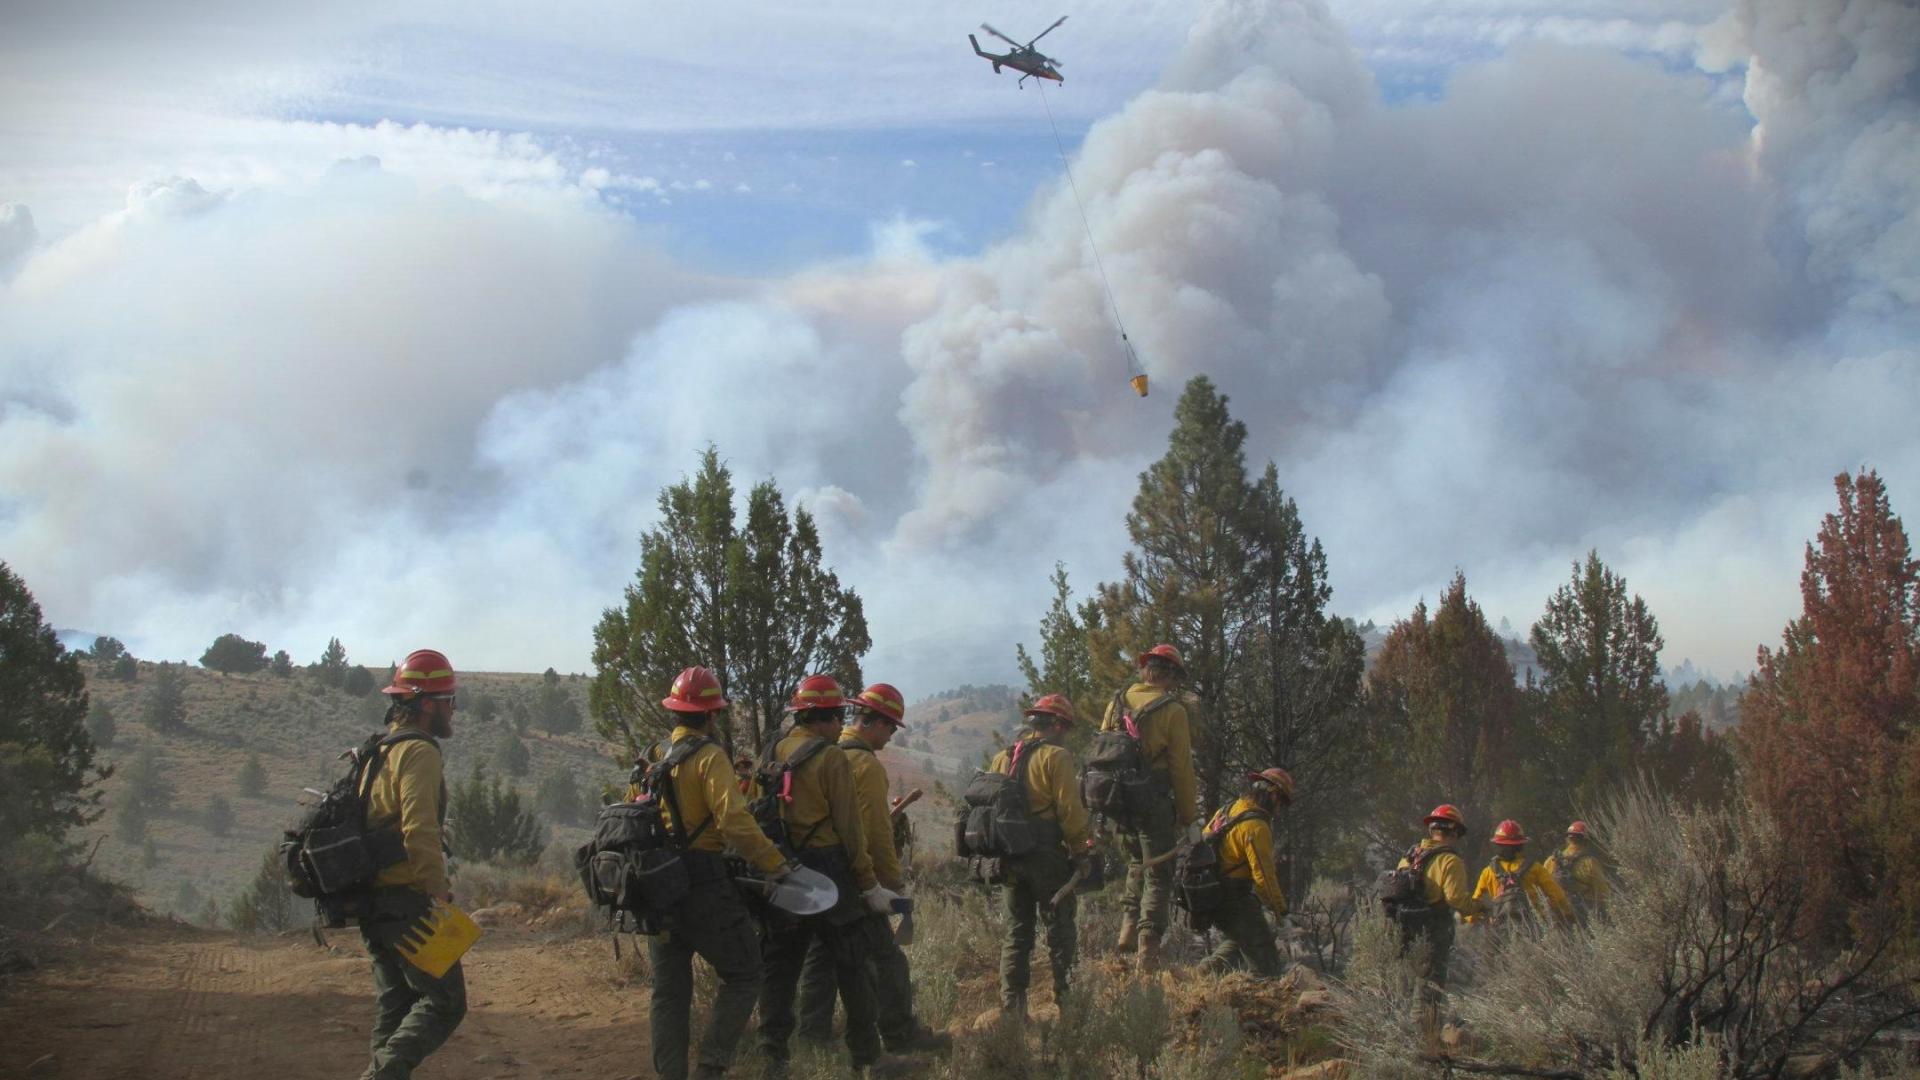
(430, 395)
(17, 234)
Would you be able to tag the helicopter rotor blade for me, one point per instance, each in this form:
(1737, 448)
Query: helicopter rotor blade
(1047, 31)
(999, 35)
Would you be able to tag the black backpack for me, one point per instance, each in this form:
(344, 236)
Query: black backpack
(633, 865)
(330, 853)
(1199, 885)
(1117, 782)
(1565, 870)
(996, 822)
(776, 792)
(1403, 890)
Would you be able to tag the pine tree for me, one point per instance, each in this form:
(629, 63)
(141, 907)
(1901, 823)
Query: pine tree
(281, 665)
(358, 683)
(166, 706)
(252, 778)
(755, 604)
(559, 798)
(267, 906)
(485, 707)
(556, 708)
(1600, 697)
(47, 777)
(107, 651)
(1066, 665)
(130, 821)
(1828, 717)
(490, 824)
(331, 669)
(1447, 709)
(126, 669)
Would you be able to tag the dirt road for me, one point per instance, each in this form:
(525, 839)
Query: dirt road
(176, 1004)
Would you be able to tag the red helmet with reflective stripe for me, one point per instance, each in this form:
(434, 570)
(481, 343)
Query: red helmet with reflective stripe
(1510, 834)
(1281, 779)
(885, 700)
(817, 692)
(1162, 652)
(1579, 829)
(425, 671)
(1446, 813)
(695, 690)
(1054, 705)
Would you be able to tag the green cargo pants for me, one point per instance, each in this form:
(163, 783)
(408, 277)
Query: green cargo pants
(892, 981)
(1149, 891)
(1246, 941)
(1031, 881)
(416, 1012)
(711, 923)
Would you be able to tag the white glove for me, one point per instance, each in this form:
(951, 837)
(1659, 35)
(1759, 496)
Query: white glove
(779, 873)
(880, 899)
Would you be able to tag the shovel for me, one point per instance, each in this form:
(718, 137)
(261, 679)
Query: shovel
(903, 934)
(801, 892)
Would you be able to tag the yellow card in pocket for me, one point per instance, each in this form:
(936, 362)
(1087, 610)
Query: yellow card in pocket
(438, 939)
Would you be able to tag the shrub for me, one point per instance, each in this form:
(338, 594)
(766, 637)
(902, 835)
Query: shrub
(101, 724)
(231, 654)
(126, 669)
(252, 778)
(146, 780)
(490, 824)
(359, 681)
(46, 755)
(281, 665)
(218, 818)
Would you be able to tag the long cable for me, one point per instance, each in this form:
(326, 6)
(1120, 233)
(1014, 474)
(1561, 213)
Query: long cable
(1133, 363)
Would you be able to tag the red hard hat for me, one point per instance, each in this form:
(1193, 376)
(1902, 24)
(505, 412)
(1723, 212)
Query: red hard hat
(1578, 828)
(1054, 705)
(885, 700)
(1279, 778)
(817, 692)
(1447, 813)
(1510, 834)
(1164, 652)
(425, 671)
(695, 690)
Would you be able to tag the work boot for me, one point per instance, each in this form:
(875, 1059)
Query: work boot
(1015, 1005)
(1149, 950)
(919, 1039)
(1129, 932)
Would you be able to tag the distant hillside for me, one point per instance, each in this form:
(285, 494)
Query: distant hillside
(950, 731)
(297, 729)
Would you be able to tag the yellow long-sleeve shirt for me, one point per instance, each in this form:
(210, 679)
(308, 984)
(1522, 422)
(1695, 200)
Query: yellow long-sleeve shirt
(824, 805)
(1246, 852)
(1589, 878)
(1053, 787)
(1538, 885)
(708, 791)
(409, 793)
(876, 817)
(1445, 877)
(1166, 741)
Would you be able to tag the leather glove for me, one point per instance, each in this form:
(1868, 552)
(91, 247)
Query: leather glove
(879, 899)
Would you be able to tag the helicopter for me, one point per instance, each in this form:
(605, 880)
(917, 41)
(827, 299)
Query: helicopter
(1022, 58)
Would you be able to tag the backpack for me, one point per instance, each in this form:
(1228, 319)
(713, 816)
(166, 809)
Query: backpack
(1565, 870)
(1403, 890)
(776, 792)
(996, 822)
(330, 853)
(1199, 885)
(633, 865)
(1510, 904)
(1117, 782)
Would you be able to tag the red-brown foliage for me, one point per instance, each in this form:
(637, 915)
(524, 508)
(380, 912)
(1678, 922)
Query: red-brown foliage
(1827, 717)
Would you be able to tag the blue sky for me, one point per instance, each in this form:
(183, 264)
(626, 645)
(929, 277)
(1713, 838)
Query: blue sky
(1492, 282)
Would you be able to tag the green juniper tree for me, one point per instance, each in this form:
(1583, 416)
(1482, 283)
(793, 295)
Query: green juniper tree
(752, 601)
(252, 778)
(281, 664)
(491, 823)
(166, 704)
(331, 668)
(232, 654)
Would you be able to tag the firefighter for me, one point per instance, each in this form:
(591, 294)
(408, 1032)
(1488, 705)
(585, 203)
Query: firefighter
(711, 921)
(1515, 890)
(743, 773)
(1166, 743)
(822, 817)
(875, 716)
(1443, 893)
(1245, 832)
(416, 1012)
(1032, 881)
(1577, 870)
